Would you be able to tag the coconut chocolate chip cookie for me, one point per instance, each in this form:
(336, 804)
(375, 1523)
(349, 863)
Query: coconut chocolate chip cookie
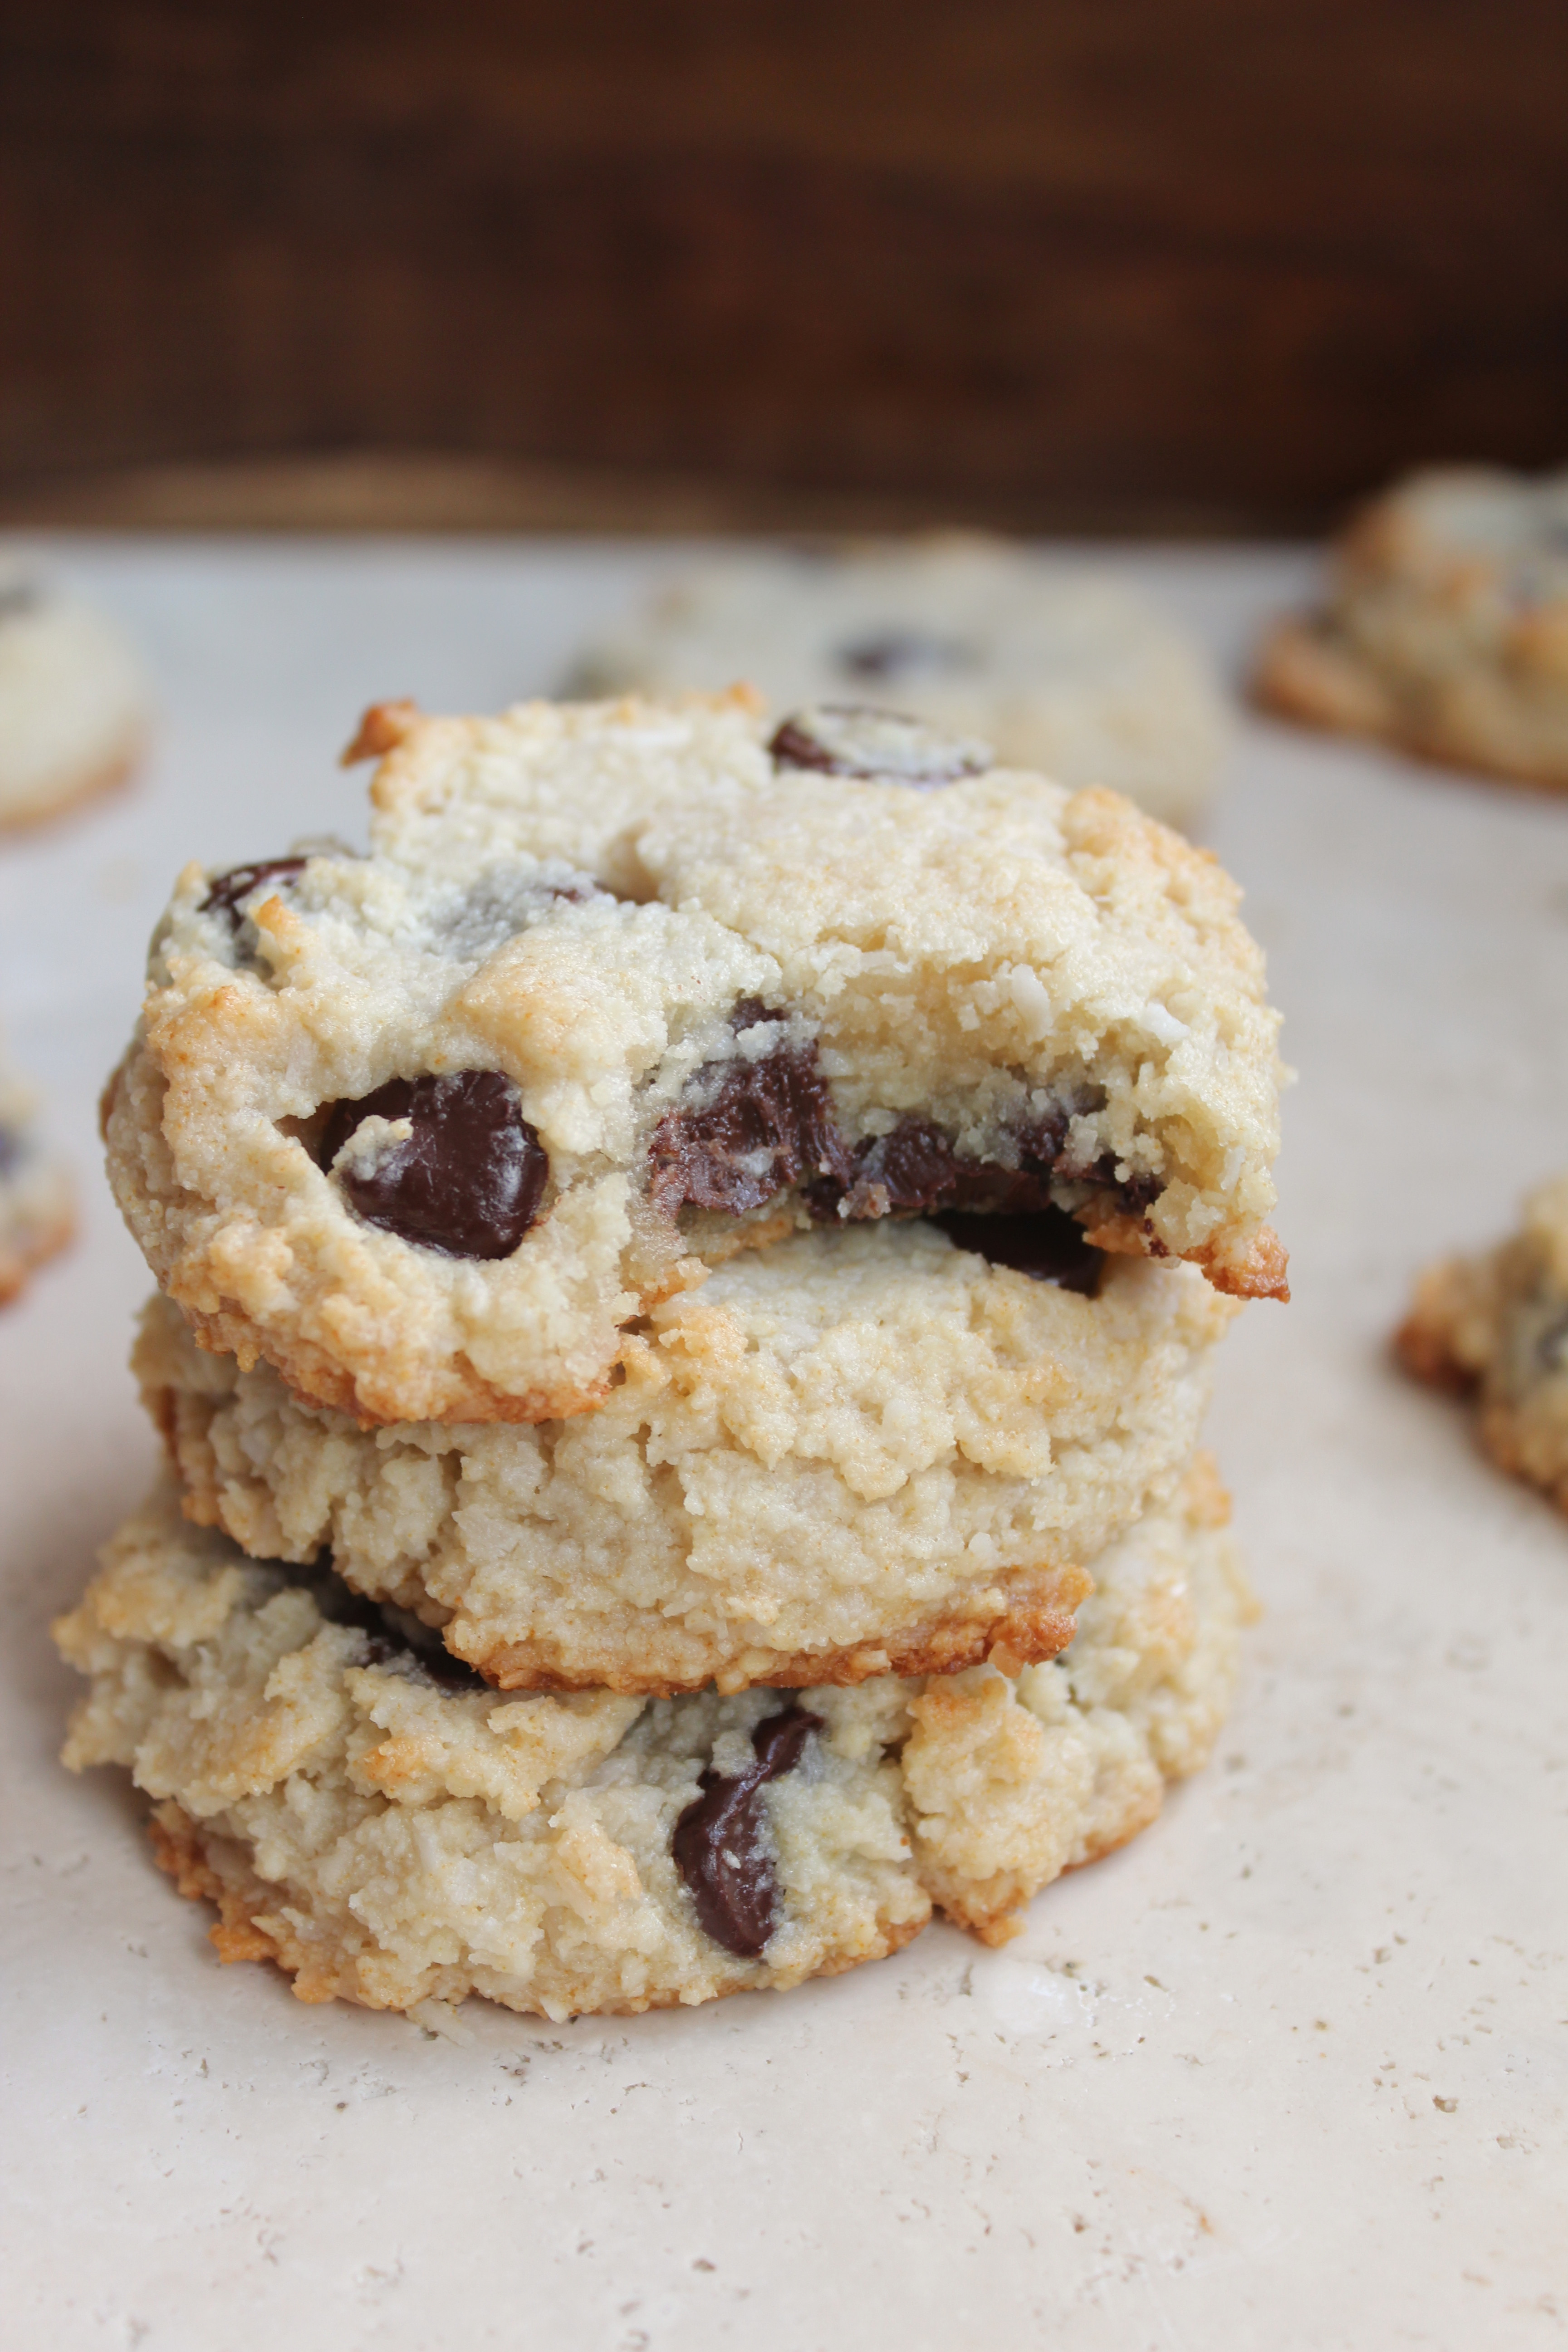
(1445, 629)
(37, 1200)
(73, 708)
(854, 1454)
(1061, 671)
(368, 1813)
(622, 987)
(1496, 1327)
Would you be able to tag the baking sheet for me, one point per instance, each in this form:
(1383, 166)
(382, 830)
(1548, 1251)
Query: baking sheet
(1290, 2070)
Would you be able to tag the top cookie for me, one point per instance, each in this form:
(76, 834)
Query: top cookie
(1072, 675)
(1446, 625)
(73, 708)
(623, 987)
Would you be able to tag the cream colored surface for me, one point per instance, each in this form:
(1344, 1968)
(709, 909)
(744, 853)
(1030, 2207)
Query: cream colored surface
(987, 954)
(840, 1455)
(1289, 2071)
(1057, 666)
(395, 1844)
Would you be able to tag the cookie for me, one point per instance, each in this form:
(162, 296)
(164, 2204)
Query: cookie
(1446, 630)
(73, 708)
(1496, 1328)
(855, 1454)
(1062, 672)
(622, 988)
(37, 1200)
(378, 1821)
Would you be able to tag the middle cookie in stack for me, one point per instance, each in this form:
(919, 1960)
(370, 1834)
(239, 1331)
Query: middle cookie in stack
(694, 1208)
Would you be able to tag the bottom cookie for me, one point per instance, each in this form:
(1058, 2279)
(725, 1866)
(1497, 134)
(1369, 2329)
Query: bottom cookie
(1497, 1327)
(37, 1214)
(363, 1811)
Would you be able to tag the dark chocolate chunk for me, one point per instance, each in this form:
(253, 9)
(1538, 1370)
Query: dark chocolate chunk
(224, 894)
(467, 1181)
(391, 1633)
(841, 739)
(905, 652)
(767, 1125)
(719, 1846)
(916, 1168)
(1044, 1243)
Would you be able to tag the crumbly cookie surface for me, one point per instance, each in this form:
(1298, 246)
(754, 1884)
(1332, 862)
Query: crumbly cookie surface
(38, 1199)
(1069, 674)
(854, 1454)
(1446, 630)
(389, 1837)
(1496, 1327)
(73, 708)
(661, 993)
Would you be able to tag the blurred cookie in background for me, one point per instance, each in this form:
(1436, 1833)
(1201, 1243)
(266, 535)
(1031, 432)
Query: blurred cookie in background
(37, 1213)
(1446, 628)
(74, 707)
(1495, 1327)
(1071, 675)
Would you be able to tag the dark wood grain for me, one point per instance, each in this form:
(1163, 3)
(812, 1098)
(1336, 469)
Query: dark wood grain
(1191, 261)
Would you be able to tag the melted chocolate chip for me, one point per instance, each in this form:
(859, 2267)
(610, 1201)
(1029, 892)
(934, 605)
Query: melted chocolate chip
(841, 739)
(719, 1845)
(768, 1124)
(224, 894)
(905, 652)
(1047, 1244)
(467, 1181)
(916, 1168)
(392, 1634)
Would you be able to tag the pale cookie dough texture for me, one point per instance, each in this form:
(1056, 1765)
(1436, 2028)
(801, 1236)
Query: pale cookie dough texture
(38, 1199)
(74, 710)
(1062, 671)
(1446, 630)
(855, 1454)
(620, 988)
(1496, 1328)
(390, 1839)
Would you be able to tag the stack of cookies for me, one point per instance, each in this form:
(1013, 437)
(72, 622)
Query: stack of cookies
(689, 1281)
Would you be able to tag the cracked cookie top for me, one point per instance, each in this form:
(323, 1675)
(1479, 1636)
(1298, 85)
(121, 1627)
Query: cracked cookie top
(622, 987)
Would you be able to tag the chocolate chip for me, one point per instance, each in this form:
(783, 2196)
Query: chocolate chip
(719, 1846)
(905, 652)
(467, 1181)
(1047, 1244)
(842, 738)
(766, 1125)
(392, 1634)
(224, 894)
(916, 1168)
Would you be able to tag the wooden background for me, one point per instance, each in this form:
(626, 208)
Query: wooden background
(1108, 263)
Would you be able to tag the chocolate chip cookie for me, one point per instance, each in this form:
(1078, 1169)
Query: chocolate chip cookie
(37, 1211)
(622, 989)
(73, 707)
(1496, 1328)
(854, 1454)
(390, 1830)
(1062, 670)
(1445, 629)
